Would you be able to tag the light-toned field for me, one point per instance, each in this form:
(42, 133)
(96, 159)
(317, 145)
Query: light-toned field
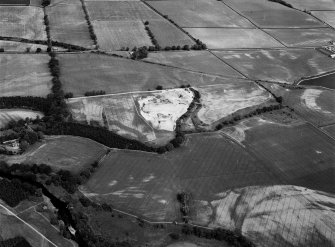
(22, 22)
(114, 35)
(20, 47)
(226, 38)
(7, 115)
(147, 184)
(167, 34)
(326, 16)
(201, 61)
(297, 152)
(24, 74)
(266, 14)
(275, 215)
(68, 24)
(285, 66)
(118, 113)
(162, 109)
(120, 11)
(303, 37)
(86, 72)
(200, 13)
(312, 4)
(220, 101)
(314, 104)
(62, 152)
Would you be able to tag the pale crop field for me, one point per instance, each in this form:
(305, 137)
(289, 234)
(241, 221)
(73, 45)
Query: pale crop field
(114, 35)
(282, 65)
(201, 61)
(312, 4)
(22, 22)
(68, 24)
(226, 38)
(221, 101)
(7, 115)
(24, 75)
(200, 13)
(326, 16)
(20, 47)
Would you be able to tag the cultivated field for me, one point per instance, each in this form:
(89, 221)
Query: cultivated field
(114, 35)
(63, 152)
(118, 75)
(226, 38)
(266, 14)
(24, 74)
(233, 96)
(167, 34)
(7, 115)
(285, 66)
(20, 47)
(201, 61)
(147, 184)
(22, 22)
(303, 37)
(312, 4)
(314, 105)
(326, 16)
(297, 152)
(280, 215)
(330, 130)
(118, 113)
(120, 11)
(200, 13)
(68, 24)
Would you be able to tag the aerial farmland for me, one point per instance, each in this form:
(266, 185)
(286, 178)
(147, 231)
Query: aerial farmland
(167, 123)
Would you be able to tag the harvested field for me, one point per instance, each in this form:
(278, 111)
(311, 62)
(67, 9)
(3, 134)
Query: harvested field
(225, 38)
(114, 35)
(285, 66)
(63, 152)
(118, 113)
(280, 215)
(200, 61)
(303, 37)
(118, 75)
(326, 16)
(297, 152)
(162, 109)
(24, 74)
(312, 4)
(68, 24)
(7, 115)
(330, 130)
(20, 47)
(120, 11)
(167, 34)
(314, 105)
(22, 22)
(200, 13)
(147, 184)
(266, 14)
(233, 96)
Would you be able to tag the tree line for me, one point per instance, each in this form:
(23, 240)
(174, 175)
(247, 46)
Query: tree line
(18, 241)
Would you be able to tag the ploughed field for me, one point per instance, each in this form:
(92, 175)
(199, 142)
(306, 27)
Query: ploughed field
(7, 115)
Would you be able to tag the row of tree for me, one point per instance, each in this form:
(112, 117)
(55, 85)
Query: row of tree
(90, 26)
(93, 93)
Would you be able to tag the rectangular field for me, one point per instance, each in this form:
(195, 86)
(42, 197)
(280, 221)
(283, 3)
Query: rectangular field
(201, 61)
(24, 75)
(119, 75)
(303, 37)
(326, 16)
(120, 11)
(22, 22)
(147, 184)
(266, 14)
(20, 47)
(114, 35)
(200, 13)
(226, 38)
(167, 34)
(68, 24)
(285, 66)
(7, 115)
